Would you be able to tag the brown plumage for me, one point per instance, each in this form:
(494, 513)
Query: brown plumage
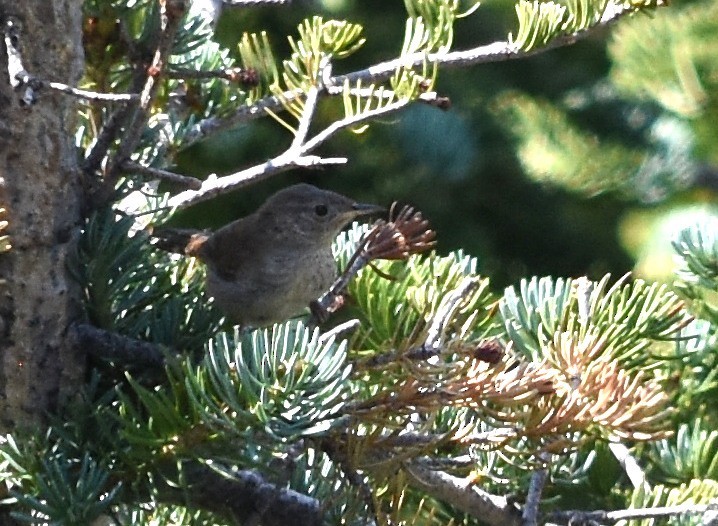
(268, 266)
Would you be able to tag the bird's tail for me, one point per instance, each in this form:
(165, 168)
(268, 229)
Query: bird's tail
(187, 241)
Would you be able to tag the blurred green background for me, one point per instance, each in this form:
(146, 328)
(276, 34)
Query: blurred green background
(581, 160)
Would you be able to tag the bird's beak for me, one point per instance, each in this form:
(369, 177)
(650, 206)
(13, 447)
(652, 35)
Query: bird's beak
(362, 209)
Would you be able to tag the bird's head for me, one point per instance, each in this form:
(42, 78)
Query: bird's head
(310, 215)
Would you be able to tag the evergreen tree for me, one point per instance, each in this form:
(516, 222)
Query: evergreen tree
(430, 398)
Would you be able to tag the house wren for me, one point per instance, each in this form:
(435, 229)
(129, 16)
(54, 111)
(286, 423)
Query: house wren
(268, 266)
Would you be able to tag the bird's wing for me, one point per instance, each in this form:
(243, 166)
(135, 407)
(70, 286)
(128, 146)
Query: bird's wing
(231, 248)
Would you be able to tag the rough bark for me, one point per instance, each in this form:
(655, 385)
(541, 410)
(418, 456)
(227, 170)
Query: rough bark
(40, 188)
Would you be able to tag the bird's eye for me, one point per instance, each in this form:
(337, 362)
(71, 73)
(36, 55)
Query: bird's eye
(321, 210)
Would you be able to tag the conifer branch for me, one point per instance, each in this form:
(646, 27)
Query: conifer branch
(111, 346)
(170, 19)
(464, 495)
(495, 52)
(533, 498)
(157, 173)
(246, 77)
(215, 186)
(244, 495)
(612, 517)
(294, 156)
(29, 85)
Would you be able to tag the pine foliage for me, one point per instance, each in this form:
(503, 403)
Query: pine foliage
(551, 366)
(442, 373)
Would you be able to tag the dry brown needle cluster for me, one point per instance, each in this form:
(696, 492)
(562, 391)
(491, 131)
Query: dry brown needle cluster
(404, 234)
(577, 391)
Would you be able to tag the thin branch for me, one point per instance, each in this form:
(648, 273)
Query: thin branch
(247, 77)
(447, 463)
(333, 299)
(413, 439)
(587, 517)
(170, 19)
(630, 465)
(243, 495)
(446, 310)
(157, 173)
(291, 158)
(533, 496)
(434, 340)
(405, 234)
(251, 3)
(212, 125)
(310, 106)
(431, 98)
(30, 85)
(710, 518)
(93, 96)
(108, 133)
(340, 331)
(338, 454)
(463, 494)
(218, 185)
(336, 126)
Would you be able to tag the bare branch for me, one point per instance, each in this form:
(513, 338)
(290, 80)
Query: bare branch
(211, 125)
(93, 96)
(108, 133)
(293, 157)
(252, 3)
(446, 310)
(629, 464)
(310, 106)
(710, 518)
(533, 496)
(611, 517)
(218, 185)
(341, 330)
(412, 439)
(336, 126)
(463, 494)
(157, 173)
(30, 85)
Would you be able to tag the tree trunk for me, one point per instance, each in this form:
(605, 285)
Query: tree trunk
(41, 192)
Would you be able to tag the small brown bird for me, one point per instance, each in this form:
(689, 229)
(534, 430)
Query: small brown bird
(268, 266)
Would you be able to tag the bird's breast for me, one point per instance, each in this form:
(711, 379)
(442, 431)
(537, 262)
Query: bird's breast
(276, 289)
